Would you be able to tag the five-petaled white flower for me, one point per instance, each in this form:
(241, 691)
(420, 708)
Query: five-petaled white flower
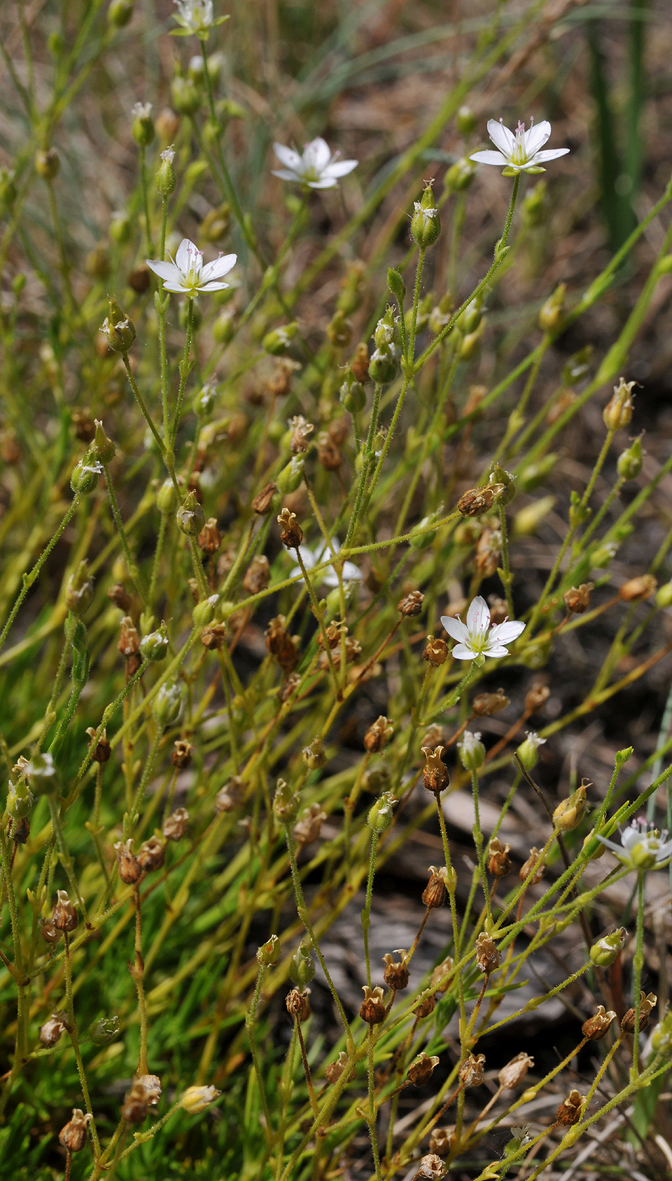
(519, 151)
(310, 558)
(196, 16)
(187, 273)
(476, 638)
(316, 168)
(642, 846)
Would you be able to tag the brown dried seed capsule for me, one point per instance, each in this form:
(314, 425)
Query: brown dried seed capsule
(136, 1104)
(129, 640)
(597, 1026)
(83, 426)
(536, 697)
(499, 862)
(308, 828)
(636, 590)
(21, 831)
(359, 364)
(73, 1135)
(486, 704)
(396, 973)
(291, 533)
(130, 870)
(411, 604)
(281, 645)
(488, 552)
(372, 1009)
(257, 575)
(435, 775)
(421, 1069)
(210, 539)
(301, 430)
(499, 612)
(569, 1111)
(335, 1069)
(230, 796)
(426, 1007)
(102, 750)
(577, 598)
(294, 1004)
(280, 382)
(181, 756)
(262, 501)
(442, 1140)
(528, 866)
(213, 637)
(289, 686)
(151, 1084)
(64, 915)
(435, 651)
(478, 500)
(436, 890)
(328, 453)
(339, 430)
(487, 955)
(52, 1029)
(441, 975)
(378, 734)
(471, 1070)
(48, 931)
(333, 633)
(646, 1004)
(175, 825)
(433, 737)
(431, 1166)
(513, 1074)
(151, 855)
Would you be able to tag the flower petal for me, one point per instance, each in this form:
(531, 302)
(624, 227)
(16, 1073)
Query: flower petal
(220, 267)
(284, 174)
(183, 255)
(478, 615)
(496, 650)
(318, 152)
(489, 157)
(501, 137)
(536, 137)
(165, 270)
(340, 167)
(462, 652)
(507, 632)
(287, 156)
(550, 154)
(351, 573)
(456, 629)
(174, 285)
(214, 285)
(327, 183)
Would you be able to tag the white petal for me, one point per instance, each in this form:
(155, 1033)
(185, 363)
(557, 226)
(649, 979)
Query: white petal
(183, 256)
(351, 573)
(549, 154)
(507, 632)
(219, 268)
(284, 174)
(329, 578)
(328, 183)
(501, 137)
(496, 650)
(461, 652)
(455, 628)
(294, 571)
(340, 167)
(319, 152)
(287, 156)
(174, 285)
(537, 136)
(489, 157)
(478, 615)
(610, 844)
(165, 270)
(214, 285)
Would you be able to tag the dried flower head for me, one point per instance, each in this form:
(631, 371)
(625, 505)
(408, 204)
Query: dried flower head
(136, 1104)
(477, 501)
(49, 932)
(499, 862)
(291, 533)
(647, 1002)
(210, 539)
(301, 431)
(213, 636)
(53, 1028)
(421, 1069)
(335, 1069)
(411, 604)
(436, 890)
(130, 870)
(231, 796)
(471, 1070)
(577, 598)
(181, 756)
(263, 500)
(396, 972)
(308, 828)
(513, 1074)
(298, 1004)
(597, 1026)
(372, 1009)
(257, 575)
(101, 748)
(151, 1084)
(64, 915)
(431, 1166)
(435, 651)
(569, 1111)
(486, 704)
(435, 775)
(73, 1135)
(129, 640)
(426, 1007)
(528, 866)
(536, 697)
(442, 975)
(636, 590)
(151, 855)
(442, 1140)
(378, 734)
(487, 955)
(175, 825)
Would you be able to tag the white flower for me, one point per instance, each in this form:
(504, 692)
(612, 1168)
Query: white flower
(642, 846)
(476, 638)
(316, 168)
(187, 272)
(310, 558)
(168, 155)
(471, 741)
(519, 152)
(534, 740)
(141, 110)
(196, 16)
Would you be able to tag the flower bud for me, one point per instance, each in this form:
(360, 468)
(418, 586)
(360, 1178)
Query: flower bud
(104, 1030)
(41, 774)
(278, 340)
(372, 1008)
(47, 163)
(73, 1135)
(196, 1099)
(381, 815)
(472, 751)
(352, 394)
(552, 312)
(570, 812)
(291, 475)
(513, 1074)
(285, 802)
(165, 179)
(421, 1069)
(166, 498)
(534, 474)
(528, 750)
(606, 950)
(176, 825)
(143, 125)
(223, 329)
(190, 517)
(629, 464)
(204, 612)
(155, 645)
(618, 411)
(664, 596)
(119, 13)
(425, 223)
(597, 1026)
(459, 176)
(396, 974)
(167, 705)
(118, 328)
(84, 478)
(103, 448)
(527, 521)
(302, 966)
(268, 955)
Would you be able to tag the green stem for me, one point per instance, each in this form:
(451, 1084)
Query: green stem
(185, 368)
(478, 841)
(637, 965)
(133, 571)
(366, 913)
(372, 1106)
